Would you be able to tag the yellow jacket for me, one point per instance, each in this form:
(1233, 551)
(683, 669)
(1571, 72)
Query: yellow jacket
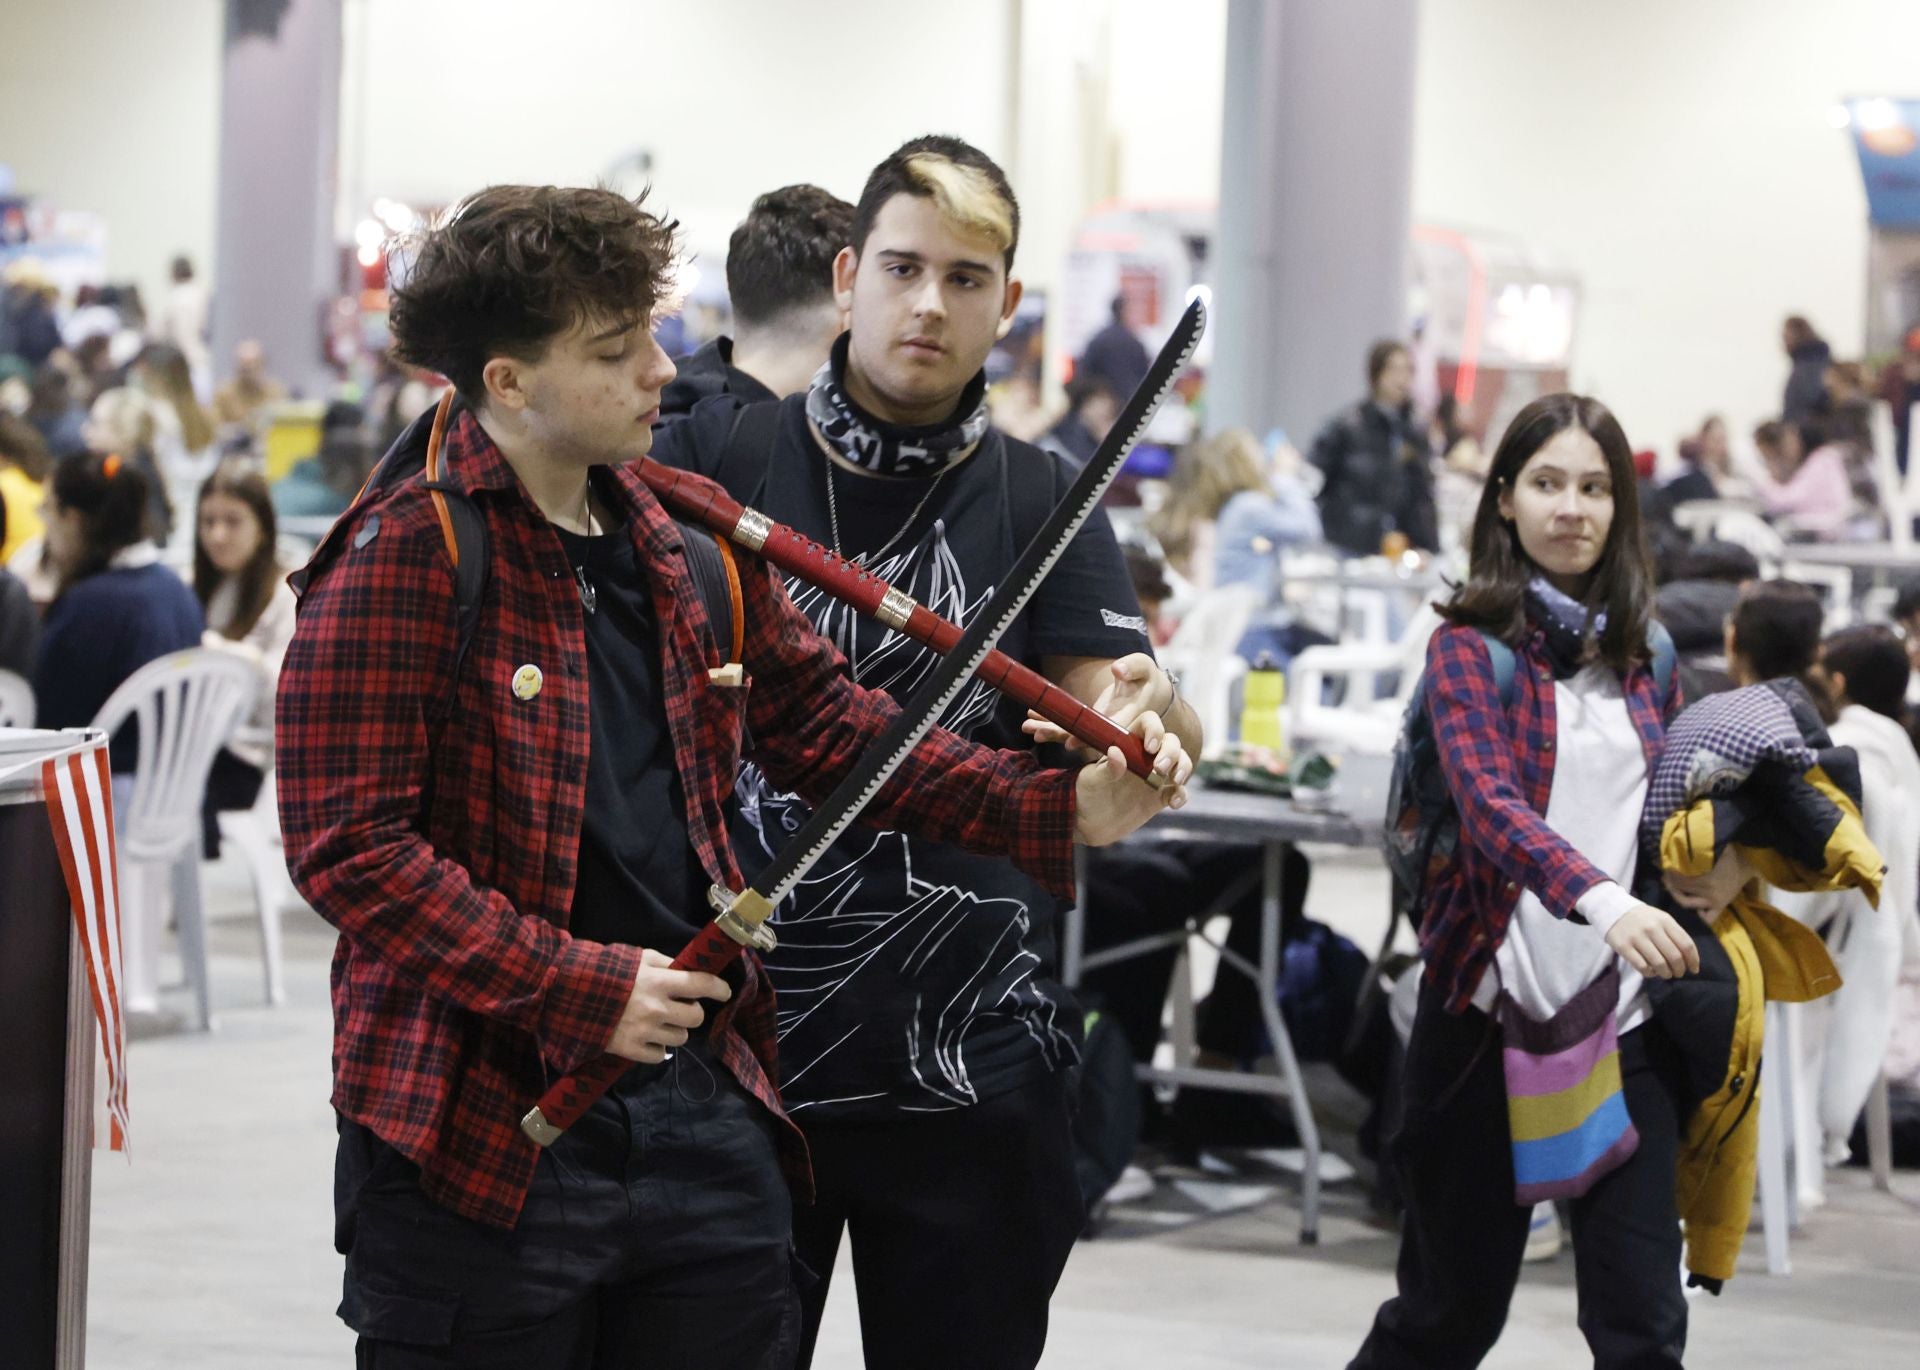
(1775, 958)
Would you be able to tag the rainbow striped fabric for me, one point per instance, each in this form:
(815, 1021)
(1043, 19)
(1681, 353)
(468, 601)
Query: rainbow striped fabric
(1568, 1117)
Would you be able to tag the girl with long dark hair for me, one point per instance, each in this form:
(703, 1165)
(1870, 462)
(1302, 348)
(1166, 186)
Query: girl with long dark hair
(242, 588)
(1532, 924)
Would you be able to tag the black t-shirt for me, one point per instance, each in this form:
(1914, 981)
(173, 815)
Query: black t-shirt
(639, 880)
(912, 976)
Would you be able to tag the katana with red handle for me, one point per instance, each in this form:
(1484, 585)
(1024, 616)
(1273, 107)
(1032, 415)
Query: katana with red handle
(802, 557)
(742, 918)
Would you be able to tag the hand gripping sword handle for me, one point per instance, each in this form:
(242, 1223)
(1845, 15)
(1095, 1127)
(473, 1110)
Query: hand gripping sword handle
(712, 950)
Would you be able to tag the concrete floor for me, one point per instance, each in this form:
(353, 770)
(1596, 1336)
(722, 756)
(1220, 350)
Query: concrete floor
(212, 1247)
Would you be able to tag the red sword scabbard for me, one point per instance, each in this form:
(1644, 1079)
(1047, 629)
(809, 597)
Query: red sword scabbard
(853, 585)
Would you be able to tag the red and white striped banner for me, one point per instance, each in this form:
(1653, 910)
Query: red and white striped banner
(79, 793)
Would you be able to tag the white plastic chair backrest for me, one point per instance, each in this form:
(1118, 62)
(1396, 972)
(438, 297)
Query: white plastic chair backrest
(16, 701)
(1834, 584)
(1751, 532)
(1201, 653)
(187, 705)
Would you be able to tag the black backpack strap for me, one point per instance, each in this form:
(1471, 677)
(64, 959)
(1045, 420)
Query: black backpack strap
(472, 553)
(710, 559)
(747, 455)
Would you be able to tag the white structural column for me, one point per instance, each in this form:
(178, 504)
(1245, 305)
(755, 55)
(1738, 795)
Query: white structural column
(277, 265)
(1315, 206)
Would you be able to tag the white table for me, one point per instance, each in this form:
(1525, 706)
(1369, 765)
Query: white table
(1881, 560)
(1269, 823)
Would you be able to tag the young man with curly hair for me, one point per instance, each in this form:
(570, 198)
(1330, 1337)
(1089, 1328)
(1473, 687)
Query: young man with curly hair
(515, 841)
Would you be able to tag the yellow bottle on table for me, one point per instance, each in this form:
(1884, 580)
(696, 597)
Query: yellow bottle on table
(1264, 695)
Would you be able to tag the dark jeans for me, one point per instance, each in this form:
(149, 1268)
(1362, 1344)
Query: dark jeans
(656, 1235)
(1461, 1244)
(961, 1223)
(232, 784)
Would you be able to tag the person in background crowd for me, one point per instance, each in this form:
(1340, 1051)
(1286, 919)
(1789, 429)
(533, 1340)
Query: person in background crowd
(241, 399)
(1092, 406)
(1549, 792)
(115, 607)
(1115, 354)
(243, 593)
(121, 421)
(926, 1047)
(23, 472)
(95, 370)
(1693, 603)
(19, 626)
(183, 436)
(92, 317)
(1849, 410)
(323, 485)
(398, 395)
(1709, 459)
(1462, 476)
(1806, 391)
(1900, 388)
(785, 318)
(1375, 464)
(1844, 1037)
(1150, 586)
(1906, 617)
(51, 408)
(1812, 487)
(183, 321)
(28, 328)
(1225, 519)
(1773, 633)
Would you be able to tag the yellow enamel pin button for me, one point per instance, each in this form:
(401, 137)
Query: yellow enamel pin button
(527, 681)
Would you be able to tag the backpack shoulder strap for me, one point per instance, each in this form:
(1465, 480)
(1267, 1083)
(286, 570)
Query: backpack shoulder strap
(715, 573)
(1502, 658)
(1665, 661)
(747, 454)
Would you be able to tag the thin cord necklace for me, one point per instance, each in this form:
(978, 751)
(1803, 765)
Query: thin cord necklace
(589, 597)
(833, 507)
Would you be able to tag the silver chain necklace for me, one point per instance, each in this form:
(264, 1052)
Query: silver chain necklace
(833, 510)
(589, 597)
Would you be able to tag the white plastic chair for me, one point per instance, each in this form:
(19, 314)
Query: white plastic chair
(1752, 532)
(1362, 721)
(1202, 655)
(16, 701)
(255, 832)
(1834, 585)
(1779, 1185)
(187, 705)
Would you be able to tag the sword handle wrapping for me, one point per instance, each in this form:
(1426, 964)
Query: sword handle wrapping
(568, 1100)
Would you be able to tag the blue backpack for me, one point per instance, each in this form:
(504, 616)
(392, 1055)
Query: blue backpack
(1423, 824)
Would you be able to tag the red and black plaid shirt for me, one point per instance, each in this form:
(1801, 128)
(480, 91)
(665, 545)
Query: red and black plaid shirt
(445, 851)
(1499, 769)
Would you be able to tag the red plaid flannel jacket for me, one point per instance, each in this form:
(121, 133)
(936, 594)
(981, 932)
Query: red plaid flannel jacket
(1500, 773)
(445, 852)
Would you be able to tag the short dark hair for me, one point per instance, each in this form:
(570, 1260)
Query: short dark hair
(511, 268)
(1494, 598)
(22, 445)
(1379, 355)
(1776, 627)
(182, 269)
(1083, 388)
(1907, 602)
(1721, 561)
(780, 258)
(1876, 666)
(925, 167)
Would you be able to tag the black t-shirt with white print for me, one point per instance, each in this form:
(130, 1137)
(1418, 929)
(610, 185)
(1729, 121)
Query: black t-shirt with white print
(912, 976)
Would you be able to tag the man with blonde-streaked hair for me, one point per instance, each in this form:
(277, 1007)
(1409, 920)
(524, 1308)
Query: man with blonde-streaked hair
(922, 1040)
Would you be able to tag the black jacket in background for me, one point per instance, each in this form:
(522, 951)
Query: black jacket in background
(707, 373)
(1806, 393)
(19, 628)
(1118, 357)
(1379, 479)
